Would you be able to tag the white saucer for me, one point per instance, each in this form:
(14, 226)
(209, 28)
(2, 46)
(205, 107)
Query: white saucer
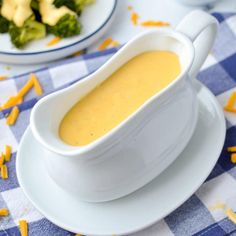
(95, 20)
(141, 208)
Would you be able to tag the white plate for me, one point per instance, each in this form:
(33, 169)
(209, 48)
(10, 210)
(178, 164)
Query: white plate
(126, 215)
(95, 20)
(197, 2)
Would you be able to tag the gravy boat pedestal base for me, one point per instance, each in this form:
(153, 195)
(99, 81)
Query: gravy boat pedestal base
(141, 208)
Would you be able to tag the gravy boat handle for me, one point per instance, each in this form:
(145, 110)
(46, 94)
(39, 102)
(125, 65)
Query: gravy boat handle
(201, 28)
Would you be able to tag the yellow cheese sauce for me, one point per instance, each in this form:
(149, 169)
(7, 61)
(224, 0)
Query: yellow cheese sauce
(50, 14)
(17, 11)
(8, 9)
(118, 96)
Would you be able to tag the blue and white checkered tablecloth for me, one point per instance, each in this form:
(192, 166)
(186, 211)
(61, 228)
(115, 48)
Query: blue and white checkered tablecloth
(194, 216)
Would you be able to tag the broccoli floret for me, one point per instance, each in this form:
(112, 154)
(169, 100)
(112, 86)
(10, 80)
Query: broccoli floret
(67, 26)
(70, 4)
(4, 24)
(34, 5)
(81, 4)
(74, 5)
(31, 30)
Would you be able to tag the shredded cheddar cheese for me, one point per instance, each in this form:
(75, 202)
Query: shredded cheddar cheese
(231, 149)
(152, 23)
(7, 153)
(233, 158)
(26, 88)
(105, 43)
(231, 100)
(4, 212)
(23, 227)
(2, 159)
(134, 18)
(4, 172)
(231, 215)
(37, 87)
(230, 109)
(78, 235)
(18, 99)
(108, 42)
(230, 103)
(149, 23)
(228, 211)
(12, 101)
(11, 119)
(54, 41)
(3, 78)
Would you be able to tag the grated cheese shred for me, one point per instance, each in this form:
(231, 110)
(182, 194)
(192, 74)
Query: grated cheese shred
(4, 212)
(2, 159)
(151, 23)
(11, 119)
(18, 99)
(107, 42)
(7, 153)
(23, 227)
(233, 158)
(4, 172)
(54, 41)
(3, 77)
(231, 149)
(134, 18)
(231, 215)
(37, 87)
(230, 103)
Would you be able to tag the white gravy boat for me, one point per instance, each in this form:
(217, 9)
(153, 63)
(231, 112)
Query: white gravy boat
(146, 143)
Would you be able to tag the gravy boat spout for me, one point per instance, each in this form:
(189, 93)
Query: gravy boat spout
(148, 141)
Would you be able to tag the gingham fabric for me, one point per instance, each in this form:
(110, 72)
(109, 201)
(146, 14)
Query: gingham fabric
(194, 216)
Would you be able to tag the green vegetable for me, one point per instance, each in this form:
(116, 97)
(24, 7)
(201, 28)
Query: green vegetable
(70, 4)
(67, 26)
(4, 24)
(31, 30)
(81, 4)
(74, 5)
(34, 5)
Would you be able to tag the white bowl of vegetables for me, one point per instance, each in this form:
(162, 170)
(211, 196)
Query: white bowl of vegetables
(35, 31)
